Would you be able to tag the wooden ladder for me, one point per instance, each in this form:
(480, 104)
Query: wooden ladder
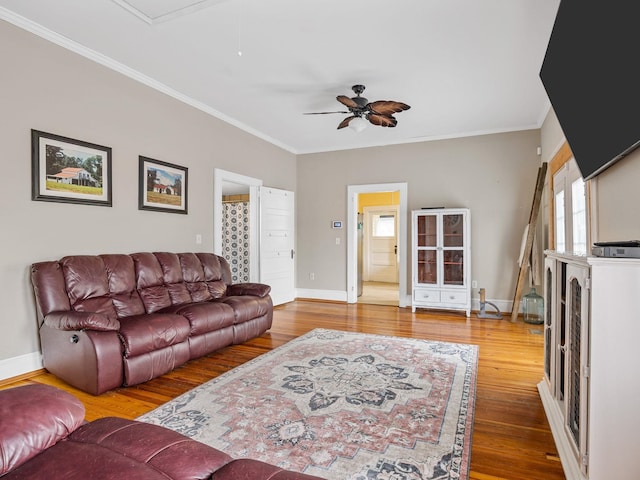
(528, 245)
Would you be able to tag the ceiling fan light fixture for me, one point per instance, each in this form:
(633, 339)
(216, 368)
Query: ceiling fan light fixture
(358, 124)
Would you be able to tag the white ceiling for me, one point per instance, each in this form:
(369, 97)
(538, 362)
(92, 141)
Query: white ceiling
(466, 67)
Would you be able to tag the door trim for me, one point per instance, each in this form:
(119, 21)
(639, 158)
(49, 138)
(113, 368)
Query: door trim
(352, 233)
(220, 176)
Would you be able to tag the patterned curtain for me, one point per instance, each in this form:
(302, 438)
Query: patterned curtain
(235, 239)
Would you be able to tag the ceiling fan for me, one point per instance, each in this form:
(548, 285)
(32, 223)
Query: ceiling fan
(378, 113)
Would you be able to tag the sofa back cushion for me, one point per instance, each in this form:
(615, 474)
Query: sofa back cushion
(119, 285)
(194, 277)
(121, 276)
(87, 284)
(150, 282)
(214, 269)
(33, 418)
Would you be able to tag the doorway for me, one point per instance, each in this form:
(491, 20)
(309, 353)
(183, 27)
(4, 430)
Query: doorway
(227, 184)
(360, 288)
(268, 215)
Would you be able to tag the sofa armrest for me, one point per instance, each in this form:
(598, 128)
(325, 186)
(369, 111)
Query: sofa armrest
(71, 320)
(33, 418)
(255, 289)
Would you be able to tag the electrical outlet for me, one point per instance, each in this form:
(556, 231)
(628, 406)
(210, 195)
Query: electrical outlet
(474, 284)
(312, 276)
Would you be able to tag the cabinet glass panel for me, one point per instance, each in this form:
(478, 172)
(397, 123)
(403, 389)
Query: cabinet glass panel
(575, 328)
(427, 267)
(547, 325)
(427, 231)
(453, 267)
(452, 230)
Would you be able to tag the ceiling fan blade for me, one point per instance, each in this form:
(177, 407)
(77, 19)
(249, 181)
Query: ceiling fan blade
(321, 113)
(387, 107)
(345, 122)
(382, 120)
(347, 102)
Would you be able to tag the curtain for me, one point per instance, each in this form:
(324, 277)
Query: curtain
(235, 239)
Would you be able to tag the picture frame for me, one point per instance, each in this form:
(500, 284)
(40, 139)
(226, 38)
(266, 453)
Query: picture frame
(67, 170)
(162, 186)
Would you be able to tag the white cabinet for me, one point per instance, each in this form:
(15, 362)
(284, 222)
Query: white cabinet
(590, 388)
(441, 264)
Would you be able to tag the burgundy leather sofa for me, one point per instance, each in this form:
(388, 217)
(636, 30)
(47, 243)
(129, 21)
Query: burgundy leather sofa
(43, 435)
(118, 320)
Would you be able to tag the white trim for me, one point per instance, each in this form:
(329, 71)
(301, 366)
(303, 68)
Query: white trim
(169, 14)
(12, 367)
(352, 234)
(503, 305)
(331, 295)
(112, 64)
(220, 176)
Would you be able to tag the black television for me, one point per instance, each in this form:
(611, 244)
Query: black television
(591, 76)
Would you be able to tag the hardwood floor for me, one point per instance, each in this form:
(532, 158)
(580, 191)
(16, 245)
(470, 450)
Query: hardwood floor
(511, 437)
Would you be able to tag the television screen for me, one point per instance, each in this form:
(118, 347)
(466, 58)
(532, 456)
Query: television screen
(592, 81)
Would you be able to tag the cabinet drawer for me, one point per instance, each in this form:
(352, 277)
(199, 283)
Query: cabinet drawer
(454, 296)
(423, 295)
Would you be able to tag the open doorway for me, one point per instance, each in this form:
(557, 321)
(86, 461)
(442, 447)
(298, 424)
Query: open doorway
(244, 256)
(376, 250)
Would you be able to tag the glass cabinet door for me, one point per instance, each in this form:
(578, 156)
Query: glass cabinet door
(427, 240)
(427, 231)
(427, 267)
(453, 252)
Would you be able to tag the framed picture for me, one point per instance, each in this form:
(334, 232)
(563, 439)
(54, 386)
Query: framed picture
(162, 186)
(69, 171)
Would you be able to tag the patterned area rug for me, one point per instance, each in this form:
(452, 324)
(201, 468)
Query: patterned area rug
(341, 405)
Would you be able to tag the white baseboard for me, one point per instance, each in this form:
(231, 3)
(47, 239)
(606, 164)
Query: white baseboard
(341, 296)
(503, 305)
(12, 367)
(330, 295)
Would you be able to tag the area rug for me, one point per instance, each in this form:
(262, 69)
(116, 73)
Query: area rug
(342, 406)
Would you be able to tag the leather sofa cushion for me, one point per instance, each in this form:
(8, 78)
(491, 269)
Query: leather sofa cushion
(122, 284)
(87, 284)
(207, 317)
(216, 275)
(145, 333)
(245, 469)
(32, 419)
(247, 307)
(115, 448)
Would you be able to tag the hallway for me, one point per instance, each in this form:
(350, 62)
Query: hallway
(379, 293)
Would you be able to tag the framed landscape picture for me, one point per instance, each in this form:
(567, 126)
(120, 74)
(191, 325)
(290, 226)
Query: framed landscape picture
(162, 186)
(69, 171)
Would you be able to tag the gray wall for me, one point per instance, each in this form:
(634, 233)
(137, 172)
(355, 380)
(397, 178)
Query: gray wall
(493, 175)
(616, 196)
(46, 87)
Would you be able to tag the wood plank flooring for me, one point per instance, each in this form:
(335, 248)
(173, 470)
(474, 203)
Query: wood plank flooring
(511, 436)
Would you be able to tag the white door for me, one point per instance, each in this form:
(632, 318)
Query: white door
(277, 242)
(381, 244)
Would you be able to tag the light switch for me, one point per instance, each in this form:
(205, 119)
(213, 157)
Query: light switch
(198, 239)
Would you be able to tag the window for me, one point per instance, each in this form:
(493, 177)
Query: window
(570, 207)
(560, 230)
(579, 211)
(384, 225)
